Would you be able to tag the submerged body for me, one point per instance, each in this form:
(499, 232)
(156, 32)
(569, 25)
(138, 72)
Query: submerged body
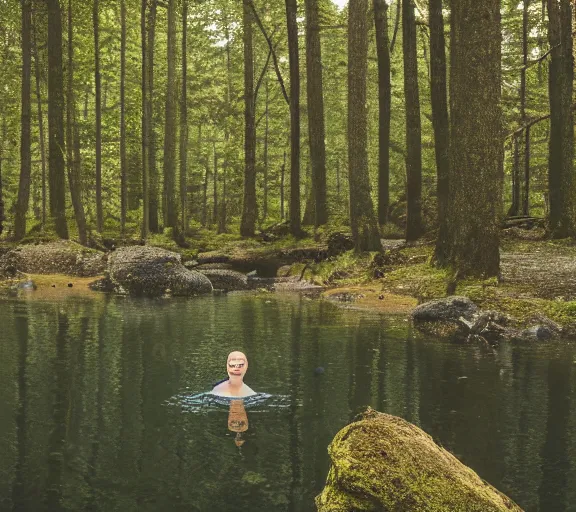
(234, 386)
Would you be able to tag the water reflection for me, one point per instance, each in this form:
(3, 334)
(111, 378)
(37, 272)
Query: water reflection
(101, 411)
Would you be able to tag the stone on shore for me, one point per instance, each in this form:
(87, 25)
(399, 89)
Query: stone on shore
(151, 271)
(61, 257)
(383, 463)
(228, 280)
(449, 309)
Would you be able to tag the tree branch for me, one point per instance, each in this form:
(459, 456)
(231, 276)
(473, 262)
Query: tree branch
(531, 123)
(261, 77)
(271, 47)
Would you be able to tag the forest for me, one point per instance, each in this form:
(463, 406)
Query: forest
(408, 118)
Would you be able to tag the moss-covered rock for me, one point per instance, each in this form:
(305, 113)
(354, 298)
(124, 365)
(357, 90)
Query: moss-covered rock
(223, 279)
(383, 463)
(152, 271)
(60, 257)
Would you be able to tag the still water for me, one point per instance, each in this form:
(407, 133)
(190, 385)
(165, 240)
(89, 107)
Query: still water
(91, 419)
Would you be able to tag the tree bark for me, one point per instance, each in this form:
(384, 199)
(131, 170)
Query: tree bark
(145, 121)
(2, 217)
(152, 169)
(248, 223)
(292, 24)
(526, 199)
(315, 98)
(413, 124)
(362, 218)
(215, 185)
(440, 123)
(170, 135)
(40, 123)
(98, 107)
(184, 122)
(73, 165)
(515, 206)
(56, 163)
(266, 136)
(562, 222)
(25, 154)
(282, 189)
(384, 108)
(476, 150)
(523, 200)
(123, 166)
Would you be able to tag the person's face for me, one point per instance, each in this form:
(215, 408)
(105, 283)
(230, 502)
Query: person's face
(237, 366)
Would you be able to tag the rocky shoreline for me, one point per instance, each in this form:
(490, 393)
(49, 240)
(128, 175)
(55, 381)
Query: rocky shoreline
(153, 271)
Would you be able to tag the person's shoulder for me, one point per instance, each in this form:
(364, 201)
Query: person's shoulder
(221, 386)
(247, 391)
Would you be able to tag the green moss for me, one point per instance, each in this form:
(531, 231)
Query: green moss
(421, 281)
(384, 463)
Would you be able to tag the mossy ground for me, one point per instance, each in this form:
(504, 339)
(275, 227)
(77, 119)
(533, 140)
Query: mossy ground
(538, 275)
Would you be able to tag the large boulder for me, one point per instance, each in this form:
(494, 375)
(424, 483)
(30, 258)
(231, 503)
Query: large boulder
(152, 271)
(228, 280)
(61, 257)
(383, 463)
(449, 309)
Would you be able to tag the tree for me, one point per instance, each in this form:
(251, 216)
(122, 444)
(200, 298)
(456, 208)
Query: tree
(56, 119)
(25, 155)
(315, 98)
(145, 121)
(292, 23)
(413, 124)
(123, 164)
(98, 107)
(384, 107)
(170, 127)
(476, 152)
(151, 135)
(362, 218)
(440, 123)
(73, 157)
(248, 224)
(561, 182)
(184, 121)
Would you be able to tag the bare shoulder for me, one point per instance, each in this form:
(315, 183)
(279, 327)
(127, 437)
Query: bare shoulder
(248, 391)
(221, 388)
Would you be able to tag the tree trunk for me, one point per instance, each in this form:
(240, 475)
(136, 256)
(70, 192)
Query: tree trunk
(523, 200)
(98, 106)
(40, 124)
(362, 218)
(561, 146)
(145, 122)
(2, 217)
(215, 186)
(266, 132)
(515, 206)
(73, 165)
(384, 108)
(440, 123)
(123, 169)
(476, 151)
(152, 169)
(396, 25)
(184, 122)
(204, 220)
(57, 182)
(248, 224)
(25, 154)
(170, 130)
(315, 97)
(292, 23)
(413, 124)
(282, 185)
(526, 201)
(222, 221)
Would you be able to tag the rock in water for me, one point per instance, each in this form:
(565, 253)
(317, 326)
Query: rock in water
(150, 271)
(449, 309)
(228, 280)
(383, 463)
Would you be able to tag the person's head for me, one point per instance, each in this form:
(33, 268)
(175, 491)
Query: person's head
(237, 364)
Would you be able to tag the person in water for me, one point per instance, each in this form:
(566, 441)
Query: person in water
(234, 386)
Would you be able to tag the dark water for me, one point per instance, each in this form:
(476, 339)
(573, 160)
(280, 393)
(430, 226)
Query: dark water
(84, 423)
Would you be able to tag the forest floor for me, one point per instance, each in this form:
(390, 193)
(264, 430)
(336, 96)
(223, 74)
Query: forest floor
(538, 276)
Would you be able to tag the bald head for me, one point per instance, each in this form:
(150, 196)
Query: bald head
(237, 364)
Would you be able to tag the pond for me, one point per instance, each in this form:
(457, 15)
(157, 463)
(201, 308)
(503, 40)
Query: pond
(94, 413)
